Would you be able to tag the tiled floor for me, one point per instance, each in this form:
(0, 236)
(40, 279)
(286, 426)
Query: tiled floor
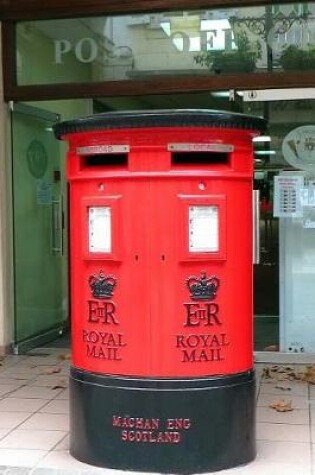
(34, 420)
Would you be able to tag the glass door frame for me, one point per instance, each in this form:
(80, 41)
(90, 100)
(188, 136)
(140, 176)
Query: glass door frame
(156, 84)
(268, 96)
(20, 347)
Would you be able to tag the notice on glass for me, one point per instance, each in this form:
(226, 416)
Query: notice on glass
(43, 192)
(203, 229)
(287, 196)
(100, 239)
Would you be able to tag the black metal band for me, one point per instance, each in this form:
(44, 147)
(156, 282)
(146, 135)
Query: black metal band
(173, 384)
(161, 118)
(162, 425)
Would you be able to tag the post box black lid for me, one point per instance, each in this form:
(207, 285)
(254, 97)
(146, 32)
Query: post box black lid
(161, 118)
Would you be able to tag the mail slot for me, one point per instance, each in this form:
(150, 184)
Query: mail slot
(162, 376)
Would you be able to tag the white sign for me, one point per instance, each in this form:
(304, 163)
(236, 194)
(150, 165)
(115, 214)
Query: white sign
(298, 148)
(43, 192)
(100, 239)
(288, 196)
(203, 229)
(288, 94)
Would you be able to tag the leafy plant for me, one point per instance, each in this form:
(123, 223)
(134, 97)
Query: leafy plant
(242, 58)
(294, 58)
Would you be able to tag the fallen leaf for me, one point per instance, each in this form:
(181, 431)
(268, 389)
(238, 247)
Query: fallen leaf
(282, 406)
(309, 375)
(274, 368)
(283, 373)
(283, 388)
(64, 357)
(288, 371)
(266, 373)
(52, 370)
(60, 385)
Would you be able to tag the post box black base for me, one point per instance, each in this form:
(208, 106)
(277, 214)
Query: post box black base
(162, 425)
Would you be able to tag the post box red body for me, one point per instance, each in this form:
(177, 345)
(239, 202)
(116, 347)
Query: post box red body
(161, 289)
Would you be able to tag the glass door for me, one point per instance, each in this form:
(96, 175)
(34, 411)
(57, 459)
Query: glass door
(285, 175)
(40, 267)
(281, 149)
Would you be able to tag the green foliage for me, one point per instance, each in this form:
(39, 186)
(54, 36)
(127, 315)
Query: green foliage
(243, 58)
(295, 58)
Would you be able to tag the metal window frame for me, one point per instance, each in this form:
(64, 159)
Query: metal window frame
(13, 11)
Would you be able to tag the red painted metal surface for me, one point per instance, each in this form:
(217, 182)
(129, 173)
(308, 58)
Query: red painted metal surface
(151, 326)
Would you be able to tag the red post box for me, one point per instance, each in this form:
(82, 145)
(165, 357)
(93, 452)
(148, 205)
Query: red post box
(161, 288)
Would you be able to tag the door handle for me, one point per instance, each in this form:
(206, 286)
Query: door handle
(256, 234)
(57, 227)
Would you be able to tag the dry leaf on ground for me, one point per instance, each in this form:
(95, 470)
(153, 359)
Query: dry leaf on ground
(309, 375)
(282, 373)
(52, 370)
(282, 406)
(64, 357)
(283, 388)
(60, 385)
(287, 373)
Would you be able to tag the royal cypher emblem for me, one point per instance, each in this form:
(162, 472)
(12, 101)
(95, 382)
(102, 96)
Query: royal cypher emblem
(203, 288)
(102, 286)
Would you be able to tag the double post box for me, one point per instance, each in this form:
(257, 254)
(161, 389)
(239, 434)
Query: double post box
(162, 375)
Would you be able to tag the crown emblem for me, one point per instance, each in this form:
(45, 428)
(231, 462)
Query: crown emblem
(203, 288)
(102, 286)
